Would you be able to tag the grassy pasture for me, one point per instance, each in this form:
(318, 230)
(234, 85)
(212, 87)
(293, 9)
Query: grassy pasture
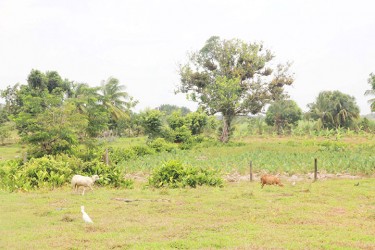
(10, 151)
(332, 214)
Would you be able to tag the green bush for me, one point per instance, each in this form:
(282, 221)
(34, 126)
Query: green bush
(119, 155)
(182, 134)
(174, 174)
(37, 173)
(142, 150)
(161, 145)
(10, 176)
(109, 175)
(55, 171)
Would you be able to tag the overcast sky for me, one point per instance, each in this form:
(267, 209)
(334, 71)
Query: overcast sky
(331, 43)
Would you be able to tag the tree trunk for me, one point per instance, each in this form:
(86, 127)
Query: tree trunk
(226, 129)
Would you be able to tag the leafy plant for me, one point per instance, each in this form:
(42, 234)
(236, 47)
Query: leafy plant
(160, 145)
(174, 174)
(52, 172)
(109, 175)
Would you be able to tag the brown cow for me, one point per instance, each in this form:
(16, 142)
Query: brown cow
(270, 180)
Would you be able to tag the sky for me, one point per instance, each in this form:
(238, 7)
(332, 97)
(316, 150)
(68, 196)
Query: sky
(141, 42)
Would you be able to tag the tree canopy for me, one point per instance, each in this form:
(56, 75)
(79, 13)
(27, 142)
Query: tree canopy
(333, 109)
(53, 114)
(283, 114)
(371, 81)
(232, 77)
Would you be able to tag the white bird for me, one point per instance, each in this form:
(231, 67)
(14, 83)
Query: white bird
(85, 216)
(294, 183)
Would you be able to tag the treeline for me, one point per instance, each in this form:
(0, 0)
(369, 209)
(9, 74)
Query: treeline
(54, 115)
(227, 78)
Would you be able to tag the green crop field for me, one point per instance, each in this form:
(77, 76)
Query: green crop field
(276, 155)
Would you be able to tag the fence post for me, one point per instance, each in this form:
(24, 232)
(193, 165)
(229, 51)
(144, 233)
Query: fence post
(315, 169)
(106, 157)
(251, 171)
(24, 158)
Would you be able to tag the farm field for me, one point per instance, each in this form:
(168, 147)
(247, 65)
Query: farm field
(289, 155)
(327, 214)
(331, 214)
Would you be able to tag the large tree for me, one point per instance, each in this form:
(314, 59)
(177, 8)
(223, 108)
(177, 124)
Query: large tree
(371, 81)
(86, 101)
(232, 77)
(333, 109)
(283, 114)
(56, 130)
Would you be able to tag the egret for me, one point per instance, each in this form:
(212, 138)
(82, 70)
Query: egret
(85, 216)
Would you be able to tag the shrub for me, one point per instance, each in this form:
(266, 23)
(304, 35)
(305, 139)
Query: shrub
(51, 172)
(119, 155)
(182, 134)
(161, 145)
(10, 175)
(142, 150)
(109, 175)
(174, 174)
(37, 173)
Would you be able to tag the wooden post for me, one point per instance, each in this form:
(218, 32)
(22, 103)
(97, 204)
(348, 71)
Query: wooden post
(251, 171)
(315, 169)
(24, 158)
(106, 157)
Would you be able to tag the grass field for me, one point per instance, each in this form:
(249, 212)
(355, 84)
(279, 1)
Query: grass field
(332, 214)
(327, 214)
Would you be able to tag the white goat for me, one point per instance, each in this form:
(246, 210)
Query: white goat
(83, 181)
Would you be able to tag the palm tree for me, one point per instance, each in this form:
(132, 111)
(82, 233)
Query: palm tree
(371, 81)
(334, 109)
(115, 99)
(83, 95)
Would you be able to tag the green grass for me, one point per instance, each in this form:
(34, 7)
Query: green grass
(332, 214)
(10, 151)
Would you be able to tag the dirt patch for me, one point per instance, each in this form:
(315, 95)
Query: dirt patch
(67, 218)
(236, 177)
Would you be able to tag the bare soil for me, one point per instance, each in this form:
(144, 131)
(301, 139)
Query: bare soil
(235, 177)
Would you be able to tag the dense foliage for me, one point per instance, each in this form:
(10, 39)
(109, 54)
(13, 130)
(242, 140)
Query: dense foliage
(174, 174)
(232, 77)
(55, 171)
(371, 81)
(283, 114)
(53, 115)
(333, 109)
